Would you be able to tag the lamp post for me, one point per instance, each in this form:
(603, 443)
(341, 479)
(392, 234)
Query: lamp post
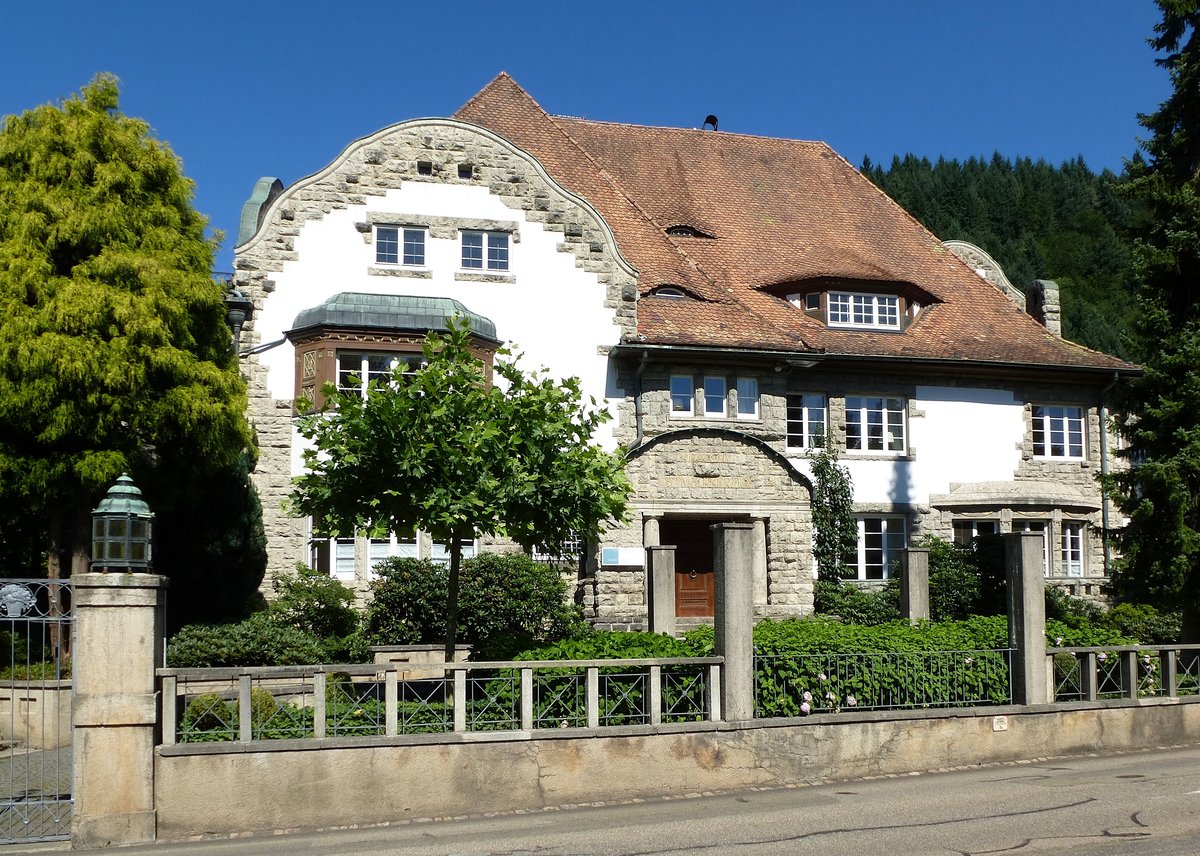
(122, 527)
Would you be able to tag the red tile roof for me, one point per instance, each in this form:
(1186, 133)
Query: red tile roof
(779, 211)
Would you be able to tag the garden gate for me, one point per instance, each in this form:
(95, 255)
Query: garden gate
(35, 710)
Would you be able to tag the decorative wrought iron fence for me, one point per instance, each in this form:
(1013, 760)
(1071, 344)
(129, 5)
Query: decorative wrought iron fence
(803, 684)
(36, 692)
(218, 705)
(1128, 671)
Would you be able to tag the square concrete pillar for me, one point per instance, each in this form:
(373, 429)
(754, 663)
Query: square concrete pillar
(733, 563)
(117, 648)
(660, 585)
(914, 584)
(1027, 617)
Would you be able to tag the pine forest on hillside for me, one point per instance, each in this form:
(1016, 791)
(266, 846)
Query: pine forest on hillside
(1039, 221)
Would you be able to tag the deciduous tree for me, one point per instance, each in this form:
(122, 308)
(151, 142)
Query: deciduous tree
(440, 449)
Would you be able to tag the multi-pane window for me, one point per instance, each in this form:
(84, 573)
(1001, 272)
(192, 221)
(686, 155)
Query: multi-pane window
(874, 424)
(805, 421)
(394, 245)
(966, 531)
(849, 309)
(881, 541)
(1057, 432)
(402, 545)
(1071, 548)
(441, 550)
(485, 250)
(343, 558)
(683, 395)
(357, 371)
(715, 394)
(747, 398)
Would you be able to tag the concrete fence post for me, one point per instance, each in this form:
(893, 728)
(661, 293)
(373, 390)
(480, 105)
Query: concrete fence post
(118, 645)
(1027, 617)
(733, 563)
(914, 584)
(660, 568)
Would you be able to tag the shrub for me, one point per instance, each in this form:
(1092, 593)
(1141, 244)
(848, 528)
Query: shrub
(507, 603)
(257, 641)
(854, 605)
(1144, 623)
(314, 602)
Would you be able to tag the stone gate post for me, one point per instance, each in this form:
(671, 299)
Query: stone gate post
(118, 645)
(733, 563)
(1027, 617)
(914, 584)
(660, 583)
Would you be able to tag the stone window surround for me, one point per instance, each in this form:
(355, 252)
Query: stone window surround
(1081, 416)
(699, 408)
(442, 228)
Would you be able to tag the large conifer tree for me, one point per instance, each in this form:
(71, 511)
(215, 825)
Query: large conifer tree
(1161, 494)
(114, 354)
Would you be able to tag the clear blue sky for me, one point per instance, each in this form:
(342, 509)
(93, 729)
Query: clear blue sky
(241, 89)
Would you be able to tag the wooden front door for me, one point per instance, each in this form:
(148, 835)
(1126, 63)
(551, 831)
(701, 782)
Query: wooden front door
(694, 577)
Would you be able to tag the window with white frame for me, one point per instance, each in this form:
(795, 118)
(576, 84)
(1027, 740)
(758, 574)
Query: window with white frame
(1071, 548)
(683, 395)
(805, 421)
(747, 398)
(966, 531)
(716, 393)
(875, 424)
(852, 309)
(1042, 528)
(441, 550)
(400, 545)
(485, 251)
(395, 245)
(358, 370)
(881, 541)
(1057, 432)
(343, 558)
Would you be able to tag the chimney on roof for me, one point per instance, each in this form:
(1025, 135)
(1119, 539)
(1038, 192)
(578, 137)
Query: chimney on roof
(710, 119)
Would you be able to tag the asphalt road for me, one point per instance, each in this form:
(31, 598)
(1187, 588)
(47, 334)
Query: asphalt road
(1118, 805)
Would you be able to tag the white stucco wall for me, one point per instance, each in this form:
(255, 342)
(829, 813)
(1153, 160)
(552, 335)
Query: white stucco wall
(553, 313)
(957, 434)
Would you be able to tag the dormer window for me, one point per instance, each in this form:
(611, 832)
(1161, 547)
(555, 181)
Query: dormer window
(669, 291)
(683, 230)
(848, 309)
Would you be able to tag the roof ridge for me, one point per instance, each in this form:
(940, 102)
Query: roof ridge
(500, 76)
(819, 143)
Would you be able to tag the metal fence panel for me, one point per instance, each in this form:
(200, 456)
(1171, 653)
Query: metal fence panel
(36, 692)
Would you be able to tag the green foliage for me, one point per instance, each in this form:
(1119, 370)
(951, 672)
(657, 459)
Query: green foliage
(442, 450)
(606, 645)
(835, 533)
(1160, 563)
(1144, 623)
(257, 641)
(114, 353)
(1038, 221)
(853, 604)
(39, 670)
(508, 602)
(315, 603)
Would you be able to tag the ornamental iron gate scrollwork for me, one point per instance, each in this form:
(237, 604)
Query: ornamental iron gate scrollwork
(35, 710)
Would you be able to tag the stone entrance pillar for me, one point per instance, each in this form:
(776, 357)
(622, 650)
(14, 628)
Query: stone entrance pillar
(660, 585)
(117, 647)
(759, 568)
(1027, 617)
(733, 561)
(914, 584)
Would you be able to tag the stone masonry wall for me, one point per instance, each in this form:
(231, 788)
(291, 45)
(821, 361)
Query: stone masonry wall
(421, 151)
